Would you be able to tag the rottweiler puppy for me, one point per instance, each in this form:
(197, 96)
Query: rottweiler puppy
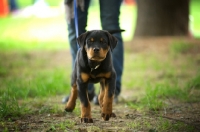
(93, 64)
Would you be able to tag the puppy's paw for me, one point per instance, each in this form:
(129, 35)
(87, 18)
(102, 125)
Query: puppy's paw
(67, 109)
(70, 106)
(106, 117)
(86, 120)
(113, 115)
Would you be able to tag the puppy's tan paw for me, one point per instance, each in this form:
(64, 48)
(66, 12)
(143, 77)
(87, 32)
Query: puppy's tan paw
(86, 120)
(68, 109)
(106, 117)
(70, 106)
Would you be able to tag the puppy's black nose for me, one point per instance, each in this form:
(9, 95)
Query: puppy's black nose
(96, 49)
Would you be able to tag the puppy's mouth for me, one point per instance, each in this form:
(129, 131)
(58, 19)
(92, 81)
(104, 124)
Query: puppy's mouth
(96, 54)
(96, 58)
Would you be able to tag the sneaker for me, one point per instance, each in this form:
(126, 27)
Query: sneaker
(91, 94)
(96, 100)
(65, 99)
(115, 100)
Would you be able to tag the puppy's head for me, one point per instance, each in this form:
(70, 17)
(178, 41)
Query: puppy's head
(97, 43)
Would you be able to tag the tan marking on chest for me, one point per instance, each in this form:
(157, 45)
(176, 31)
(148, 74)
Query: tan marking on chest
(85, 77)
(104, 75)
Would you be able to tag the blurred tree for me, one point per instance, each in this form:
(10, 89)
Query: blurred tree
(162, 18)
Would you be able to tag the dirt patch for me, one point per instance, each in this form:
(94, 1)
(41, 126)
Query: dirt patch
(182, 117)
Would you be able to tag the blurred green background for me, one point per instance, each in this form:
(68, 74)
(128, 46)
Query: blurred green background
(23, 29)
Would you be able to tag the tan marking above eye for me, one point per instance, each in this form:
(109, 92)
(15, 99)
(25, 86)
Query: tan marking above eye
(101, 39)
(92, 39)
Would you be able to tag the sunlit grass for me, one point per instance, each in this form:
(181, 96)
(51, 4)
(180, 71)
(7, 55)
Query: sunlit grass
(195, 17)
(33, 33)
(25, 3)
(49, 33)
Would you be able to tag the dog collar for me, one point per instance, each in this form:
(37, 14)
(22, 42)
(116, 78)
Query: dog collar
(95, 67)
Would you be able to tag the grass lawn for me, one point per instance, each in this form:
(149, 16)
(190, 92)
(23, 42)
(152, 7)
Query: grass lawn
(157, 82)
(160, 89)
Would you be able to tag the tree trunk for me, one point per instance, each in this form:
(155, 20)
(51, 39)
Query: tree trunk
(162, 18)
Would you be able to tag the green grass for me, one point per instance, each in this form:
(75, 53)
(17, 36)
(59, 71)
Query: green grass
(28, 76)
(9, 106)
(160, 124)
(174, 76)
(34, 83)
(44, 84)
(25, 3)
(26, 33)
(180, 47)
(194, 83)
(194, 22)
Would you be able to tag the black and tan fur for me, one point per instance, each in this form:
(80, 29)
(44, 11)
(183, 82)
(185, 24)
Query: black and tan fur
(93, 64)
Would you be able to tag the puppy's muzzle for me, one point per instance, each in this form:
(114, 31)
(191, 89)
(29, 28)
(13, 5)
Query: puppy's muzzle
(96, 50)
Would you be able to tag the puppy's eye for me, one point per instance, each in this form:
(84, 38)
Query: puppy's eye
(91, 39)
(102, 41)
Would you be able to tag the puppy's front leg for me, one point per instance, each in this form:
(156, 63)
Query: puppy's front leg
(71, 103)
(85, 104)
(109, 89)
(102, 93)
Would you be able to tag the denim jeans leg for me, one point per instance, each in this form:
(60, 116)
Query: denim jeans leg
(82, 23)
(110, 11)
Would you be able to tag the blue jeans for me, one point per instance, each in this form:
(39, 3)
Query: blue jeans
(109, 14)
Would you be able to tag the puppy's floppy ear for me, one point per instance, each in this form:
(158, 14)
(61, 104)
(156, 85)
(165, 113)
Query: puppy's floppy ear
(112, 40)
(81, 39)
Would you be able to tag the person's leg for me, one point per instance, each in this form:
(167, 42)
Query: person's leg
(13, 5)
(82, 23)
(110, 11)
